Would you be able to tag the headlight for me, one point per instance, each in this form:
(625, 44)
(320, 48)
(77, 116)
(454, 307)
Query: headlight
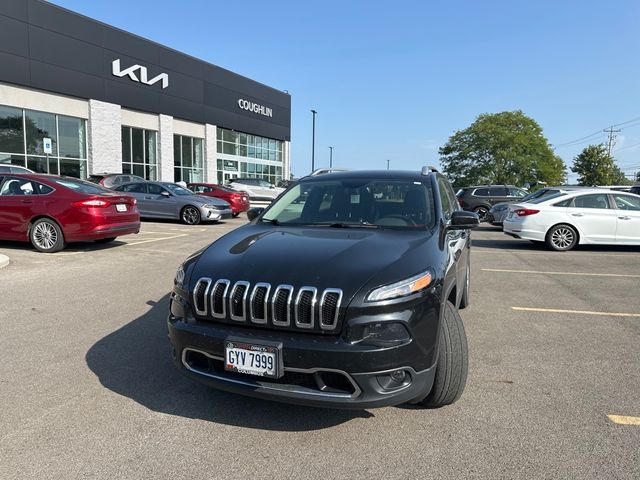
(179, 278)
(401, 289)
(209, 206)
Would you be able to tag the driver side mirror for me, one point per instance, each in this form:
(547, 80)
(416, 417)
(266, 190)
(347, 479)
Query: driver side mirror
(164, 193)
(254, 212)
(462, 220)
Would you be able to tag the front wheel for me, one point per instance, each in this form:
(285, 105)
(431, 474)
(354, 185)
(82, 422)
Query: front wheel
(453, 361)
(46, 236)
(562, 238)
(190, 215)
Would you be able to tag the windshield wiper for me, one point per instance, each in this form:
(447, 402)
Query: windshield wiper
(349, 225)
(273, 221)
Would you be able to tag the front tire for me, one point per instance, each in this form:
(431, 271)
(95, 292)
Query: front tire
(453, 361)
(46, 236)
(562, 238)
(190, 215)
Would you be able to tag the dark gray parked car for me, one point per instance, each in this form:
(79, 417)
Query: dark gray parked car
(480, 199)
(171, 201)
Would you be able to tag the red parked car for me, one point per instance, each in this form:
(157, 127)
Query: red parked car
(239, 201)
(50, 211)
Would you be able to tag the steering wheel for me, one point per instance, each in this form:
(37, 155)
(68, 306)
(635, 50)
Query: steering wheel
(408, 221)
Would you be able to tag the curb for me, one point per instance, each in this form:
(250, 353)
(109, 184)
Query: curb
(4, 260)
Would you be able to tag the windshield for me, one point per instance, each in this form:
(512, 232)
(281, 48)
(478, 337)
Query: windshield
(538, 194)
(355, 203)
(82, 186)
(177, 189)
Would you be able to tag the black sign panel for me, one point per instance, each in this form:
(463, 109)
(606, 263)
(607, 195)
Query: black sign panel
(49, 48)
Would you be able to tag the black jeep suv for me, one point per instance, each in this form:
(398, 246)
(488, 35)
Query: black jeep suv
(342, 293)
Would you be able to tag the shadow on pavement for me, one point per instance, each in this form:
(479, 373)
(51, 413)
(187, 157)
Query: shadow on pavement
(135, 361)
(71, 247)
(509, 243)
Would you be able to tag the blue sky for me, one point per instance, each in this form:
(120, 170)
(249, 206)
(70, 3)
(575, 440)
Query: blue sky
(392, 80)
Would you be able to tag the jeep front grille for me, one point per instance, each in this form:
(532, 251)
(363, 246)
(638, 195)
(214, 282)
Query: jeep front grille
(284, 306)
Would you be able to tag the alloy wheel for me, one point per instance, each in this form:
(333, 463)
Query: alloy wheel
(45, 235)
(190, 216)
(562, 238)
(482, 213)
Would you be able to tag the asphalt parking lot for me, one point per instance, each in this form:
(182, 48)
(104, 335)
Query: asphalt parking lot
(88, 389)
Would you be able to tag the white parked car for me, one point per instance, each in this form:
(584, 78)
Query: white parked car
(562, 221)
(257, 188)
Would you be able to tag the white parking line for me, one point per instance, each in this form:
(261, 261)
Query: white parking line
(579, 312)
(585, 274)
(559, 254)
(624, 420)
(157, 239)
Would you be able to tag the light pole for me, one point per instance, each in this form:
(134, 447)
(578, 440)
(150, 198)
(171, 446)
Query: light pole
(388, 164)
(330, 157)
(313, 142)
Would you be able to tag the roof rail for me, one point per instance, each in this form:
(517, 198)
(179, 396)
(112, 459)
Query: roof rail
(427, 170)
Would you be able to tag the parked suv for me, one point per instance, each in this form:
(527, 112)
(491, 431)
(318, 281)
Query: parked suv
(257, 188)
(344, 292)
(480, 199)
(635, 189)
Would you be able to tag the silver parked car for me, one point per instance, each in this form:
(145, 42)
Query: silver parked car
(171, 201)
(499, 211)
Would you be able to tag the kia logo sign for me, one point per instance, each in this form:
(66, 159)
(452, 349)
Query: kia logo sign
(255, 108)
(131, 73)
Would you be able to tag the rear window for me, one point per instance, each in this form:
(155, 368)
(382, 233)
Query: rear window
(81, 186)
(545, 198)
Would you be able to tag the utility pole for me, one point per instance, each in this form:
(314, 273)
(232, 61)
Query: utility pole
(313, 142)
(388, 164)
(330, 157)
(612, 138)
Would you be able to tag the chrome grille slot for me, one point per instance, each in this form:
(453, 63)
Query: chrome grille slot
(238, 301)
(200, 292)
(281, 306)
(330, 308)
(305, 307)
(258, 303)
(218, 298)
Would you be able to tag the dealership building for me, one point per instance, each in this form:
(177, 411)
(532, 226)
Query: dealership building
(111, 101)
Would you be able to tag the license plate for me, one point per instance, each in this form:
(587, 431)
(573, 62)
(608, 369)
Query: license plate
(252, 359)
(121, 207)
(510, 215)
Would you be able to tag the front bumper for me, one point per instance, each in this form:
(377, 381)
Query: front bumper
(319, 370)
(496, 217)
(213, 214)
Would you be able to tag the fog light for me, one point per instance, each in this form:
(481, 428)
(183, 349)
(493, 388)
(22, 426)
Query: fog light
(398, 375)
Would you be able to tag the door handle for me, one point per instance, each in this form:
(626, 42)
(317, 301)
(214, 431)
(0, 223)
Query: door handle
(27, 201)
(578, 214)
(148, 198)
(624, 218)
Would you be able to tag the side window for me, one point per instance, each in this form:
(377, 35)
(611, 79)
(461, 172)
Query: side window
(627, 202)
(498, 192)
(198, 188)
(597, 200)
(155, 189)
(265, 184)
(516, 192)
(481, 192)
(17, 186)
(445, 199)
(134, 188)
(43, 189)
(564, 203)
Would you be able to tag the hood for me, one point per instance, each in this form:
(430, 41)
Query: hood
(202, 200)
(308, 256)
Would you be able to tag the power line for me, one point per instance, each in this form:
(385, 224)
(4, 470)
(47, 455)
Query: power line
(599, 132)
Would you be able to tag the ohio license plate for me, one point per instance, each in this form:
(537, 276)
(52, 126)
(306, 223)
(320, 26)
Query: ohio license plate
(121, 207)
(252, 359)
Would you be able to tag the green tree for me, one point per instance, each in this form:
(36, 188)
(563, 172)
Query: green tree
(502, 148)
(596, 167)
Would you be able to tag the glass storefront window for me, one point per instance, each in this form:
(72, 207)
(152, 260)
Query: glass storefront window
(11, 130)
(139, 152)
(27, 128)
(188, 159)
(264, 153)
(38, 126)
